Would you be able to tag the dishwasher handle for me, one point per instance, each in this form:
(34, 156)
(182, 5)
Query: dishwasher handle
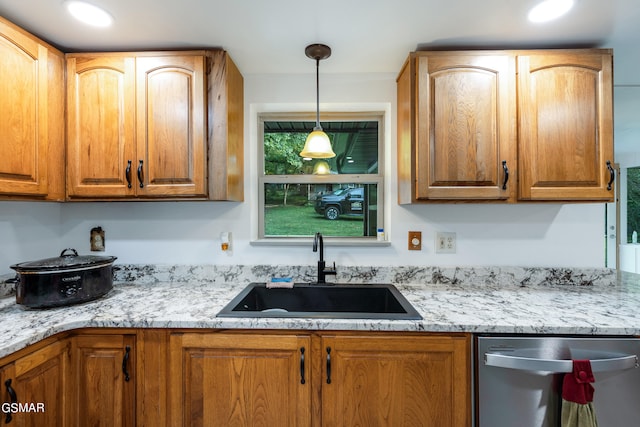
(558, 366)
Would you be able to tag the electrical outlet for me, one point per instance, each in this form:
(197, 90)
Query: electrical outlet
(96, 239)
(445, 242)
(415, 240)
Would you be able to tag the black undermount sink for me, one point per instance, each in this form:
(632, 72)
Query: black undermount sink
(329, 301)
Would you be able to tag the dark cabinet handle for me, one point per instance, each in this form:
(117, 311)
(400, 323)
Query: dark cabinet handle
(612, 175)
(14, 399)
(125, 362)
(328, 365)
(140, 180)
(128, 174)
(302, 380)
(506, 174)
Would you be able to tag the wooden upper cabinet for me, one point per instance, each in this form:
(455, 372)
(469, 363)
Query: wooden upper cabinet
(136, 126)
(461, 137)
(171, 132)
(101, 126)
(32, 111)
(225, 101)
(566, 125)
(142, 125)
(457, 131)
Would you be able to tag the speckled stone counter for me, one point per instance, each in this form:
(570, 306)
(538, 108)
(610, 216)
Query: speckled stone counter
(476, 300)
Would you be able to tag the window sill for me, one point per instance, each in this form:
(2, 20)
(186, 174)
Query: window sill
(328, 241)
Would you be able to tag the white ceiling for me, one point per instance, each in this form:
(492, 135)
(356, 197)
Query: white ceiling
(365, 35)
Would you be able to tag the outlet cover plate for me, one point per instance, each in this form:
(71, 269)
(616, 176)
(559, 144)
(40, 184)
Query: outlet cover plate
(445, 242)
(415, 240)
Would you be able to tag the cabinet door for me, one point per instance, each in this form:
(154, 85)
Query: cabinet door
(566, 133)
(466, 132)
(171, 126)
(24, 129)
(38, 381)
(231, 379)
(396, 380)
(101, 157)
(102, 393)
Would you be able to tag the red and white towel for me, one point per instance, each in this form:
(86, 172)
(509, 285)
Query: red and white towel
(577, 396)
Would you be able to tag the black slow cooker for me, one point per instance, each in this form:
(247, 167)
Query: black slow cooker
(64, 280)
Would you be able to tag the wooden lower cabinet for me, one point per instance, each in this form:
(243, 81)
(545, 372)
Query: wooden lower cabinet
(36, 381)
(102, 389)
(237, 378)
(318, 379)
(234, 379)
(395, 380)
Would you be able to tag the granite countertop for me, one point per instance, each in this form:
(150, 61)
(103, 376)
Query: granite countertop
(167, 302)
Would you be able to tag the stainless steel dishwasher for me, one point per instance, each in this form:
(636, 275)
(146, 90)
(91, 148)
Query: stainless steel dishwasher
(519, 379)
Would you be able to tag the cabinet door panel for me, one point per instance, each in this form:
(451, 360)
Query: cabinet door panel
(38, 380)
(565, 126)
(101, 395)
(239, 380)
(171, 125)
(465, 126)
(101, 119)
(24, 111)
(396, 381)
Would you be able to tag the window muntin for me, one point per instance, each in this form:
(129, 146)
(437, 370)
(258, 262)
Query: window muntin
(296, 202)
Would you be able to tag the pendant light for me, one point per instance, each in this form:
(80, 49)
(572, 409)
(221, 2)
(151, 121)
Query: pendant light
(317, 145)
(321, 167)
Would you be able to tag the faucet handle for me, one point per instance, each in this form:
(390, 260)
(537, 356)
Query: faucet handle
(332, 270)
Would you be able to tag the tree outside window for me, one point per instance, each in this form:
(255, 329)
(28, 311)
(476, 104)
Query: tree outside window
(633, 202)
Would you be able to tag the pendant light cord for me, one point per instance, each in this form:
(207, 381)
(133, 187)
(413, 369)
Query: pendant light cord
(318, 127)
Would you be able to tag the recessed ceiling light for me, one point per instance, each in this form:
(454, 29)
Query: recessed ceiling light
(549, 10)
(89, 13)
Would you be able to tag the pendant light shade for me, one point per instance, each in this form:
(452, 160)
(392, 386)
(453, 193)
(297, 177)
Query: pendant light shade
(317, 145)
(321, 168)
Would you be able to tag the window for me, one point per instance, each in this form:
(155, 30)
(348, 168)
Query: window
(339, 197)
(633, 203)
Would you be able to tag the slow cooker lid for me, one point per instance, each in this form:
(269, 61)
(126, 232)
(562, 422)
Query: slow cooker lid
(68, 258)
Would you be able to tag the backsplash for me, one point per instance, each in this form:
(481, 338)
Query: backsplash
(463, 276)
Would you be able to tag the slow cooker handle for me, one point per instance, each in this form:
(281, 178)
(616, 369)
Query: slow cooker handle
(75, 253)
(14, 281)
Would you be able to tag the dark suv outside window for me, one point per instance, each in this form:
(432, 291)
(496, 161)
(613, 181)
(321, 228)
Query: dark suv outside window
(345, 201)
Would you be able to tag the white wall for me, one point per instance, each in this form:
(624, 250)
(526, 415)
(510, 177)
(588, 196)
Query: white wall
(188, 232)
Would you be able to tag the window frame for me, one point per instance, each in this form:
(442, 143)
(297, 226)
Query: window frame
(377, 178)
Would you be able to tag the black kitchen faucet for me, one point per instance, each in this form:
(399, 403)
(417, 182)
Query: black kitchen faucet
(322, 270)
